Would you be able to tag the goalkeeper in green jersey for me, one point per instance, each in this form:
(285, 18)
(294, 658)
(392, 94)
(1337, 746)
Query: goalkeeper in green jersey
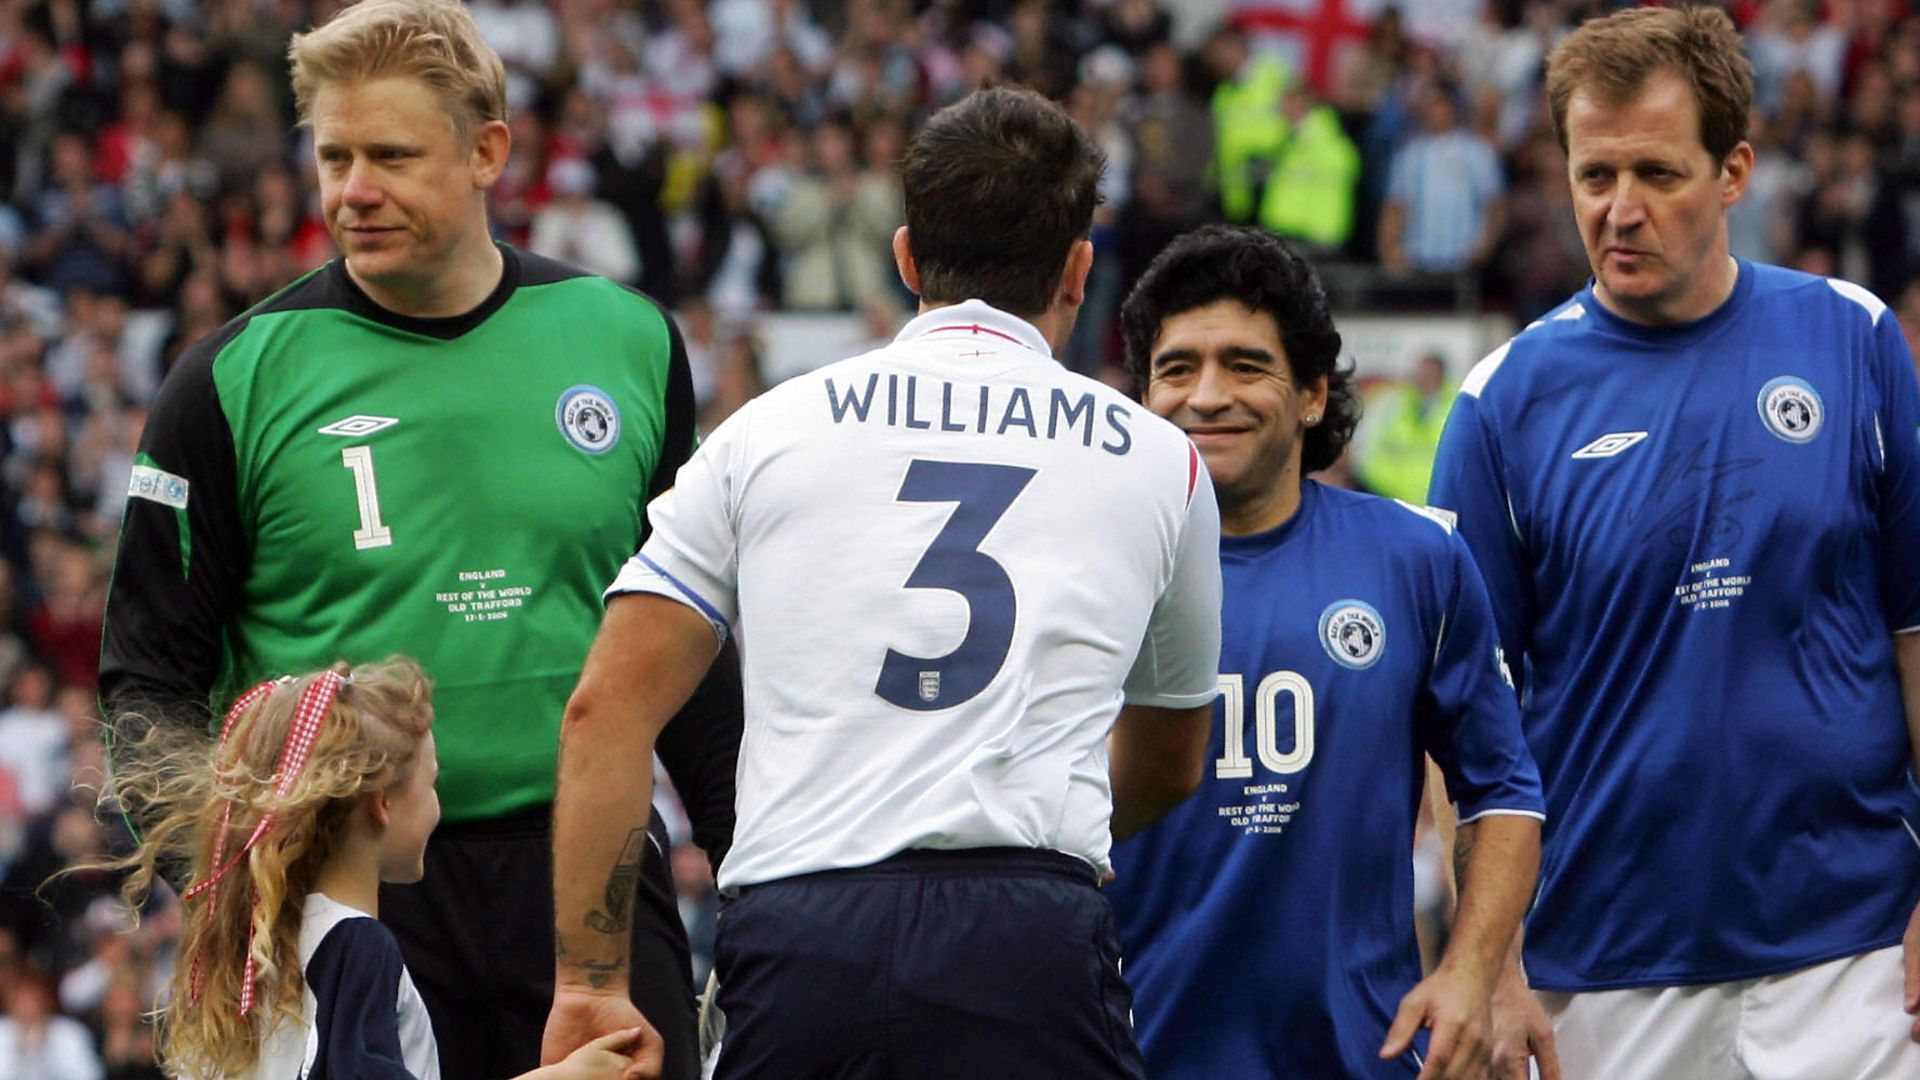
(438, 445)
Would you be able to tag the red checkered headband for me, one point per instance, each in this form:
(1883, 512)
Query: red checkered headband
(316, 701)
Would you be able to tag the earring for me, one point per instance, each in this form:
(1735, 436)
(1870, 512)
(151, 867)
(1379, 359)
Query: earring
(1313, 418)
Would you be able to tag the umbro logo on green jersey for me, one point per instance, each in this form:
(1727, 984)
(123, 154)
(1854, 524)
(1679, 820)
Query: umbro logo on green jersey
(359, 424)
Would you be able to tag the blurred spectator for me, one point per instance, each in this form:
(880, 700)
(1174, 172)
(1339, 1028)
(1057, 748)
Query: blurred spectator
(1400, 431)
(876, 70)
(1542, 259)
(65, 625)
(1907, 309)
(1373, 68)
(84, 987)
(126, 1036)
(574, 227)
(82, 232)
(98, 329)
(1248, 126)
(1310, 193)
(247, 131)
(200, 310)
(700, 333)
(522, 188)
(1041, 58)
(33, 742)
(1136, 26)
(737, 269)
(527, 38)
(1790, 39)
(1172, 139)
(1503, 58)
(748, 33)
(835, 226)
(1803, 114)
(25, 307)
(1095, 104)
(1761, 225)
(801, 96)
(1855, 213)
(679, 58)
(38, 1044)
(1445, 194)
(737, 380)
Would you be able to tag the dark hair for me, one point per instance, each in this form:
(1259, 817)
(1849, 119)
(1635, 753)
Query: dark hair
(1232, 262)
(999, 186)
(1612, 59)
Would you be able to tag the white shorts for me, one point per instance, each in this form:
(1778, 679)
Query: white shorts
(1841, 1020)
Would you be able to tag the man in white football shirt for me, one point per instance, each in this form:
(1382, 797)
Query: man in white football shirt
(977, 599)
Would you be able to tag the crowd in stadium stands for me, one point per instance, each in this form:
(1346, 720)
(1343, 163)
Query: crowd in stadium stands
(734, 158)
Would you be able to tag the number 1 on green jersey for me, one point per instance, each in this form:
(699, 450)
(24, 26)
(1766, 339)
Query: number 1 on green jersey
(372, 533)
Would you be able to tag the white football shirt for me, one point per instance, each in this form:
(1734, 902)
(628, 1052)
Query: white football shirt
(946, 563)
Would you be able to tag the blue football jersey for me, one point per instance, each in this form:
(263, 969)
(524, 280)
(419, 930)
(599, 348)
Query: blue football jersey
(1700, 541)
(1267, 922)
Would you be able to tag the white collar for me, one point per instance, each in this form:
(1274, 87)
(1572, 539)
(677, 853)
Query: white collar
(975, 317)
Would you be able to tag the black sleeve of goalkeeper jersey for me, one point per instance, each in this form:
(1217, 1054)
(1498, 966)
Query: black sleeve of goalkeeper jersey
(676, 442)
(182, 559)
(700, 747)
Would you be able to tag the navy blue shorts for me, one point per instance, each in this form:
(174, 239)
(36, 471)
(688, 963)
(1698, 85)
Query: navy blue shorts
(996, 962)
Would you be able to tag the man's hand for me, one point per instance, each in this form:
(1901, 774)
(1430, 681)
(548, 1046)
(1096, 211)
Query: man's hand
(1520, 1030)
(581, 1016)
(1911, 944)
(1453, 1003)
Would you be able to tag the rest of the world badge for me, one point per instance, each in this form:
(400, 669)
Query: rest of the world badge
(588, 418)
(1791, 409)
(1352, 633)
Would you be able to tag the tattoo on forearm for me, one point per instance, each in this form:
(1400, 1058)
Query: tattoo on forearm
(618, 898)
(599, 973)
(1463, 840)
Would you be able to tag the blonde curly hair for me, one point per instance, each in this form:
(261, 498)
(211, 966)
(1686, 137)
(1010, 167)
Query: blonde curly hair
(366, 743)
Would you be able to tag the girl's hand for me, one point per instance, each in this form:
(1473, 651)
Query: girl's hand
(634, 1054)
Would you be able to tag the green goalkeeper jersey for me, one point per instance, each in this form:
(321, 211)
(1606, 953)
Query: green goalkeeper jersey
(326, 480)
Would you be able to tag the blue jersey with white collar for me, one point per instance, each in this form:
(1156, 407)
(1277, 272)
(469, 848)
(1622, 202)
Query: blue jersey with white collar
(1267, 922)
(1700, 541)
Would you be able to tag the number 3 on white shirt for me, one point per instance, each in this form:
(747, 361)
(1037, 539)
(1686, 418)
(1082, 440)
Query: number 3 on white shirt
(954, 562)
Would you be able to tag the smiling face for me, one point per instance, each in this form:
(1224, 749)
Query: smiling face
(402, 192)
(1221, 374)
(1651, 202)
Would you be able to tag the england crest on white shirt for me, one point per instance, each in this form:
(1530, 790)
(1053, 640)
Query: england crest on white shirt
(1791, 409)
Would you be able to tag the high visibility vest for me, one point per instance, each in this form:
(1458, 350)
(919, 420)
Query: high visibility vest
(1247, 127)
(1310, 194)
(1396, 453)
